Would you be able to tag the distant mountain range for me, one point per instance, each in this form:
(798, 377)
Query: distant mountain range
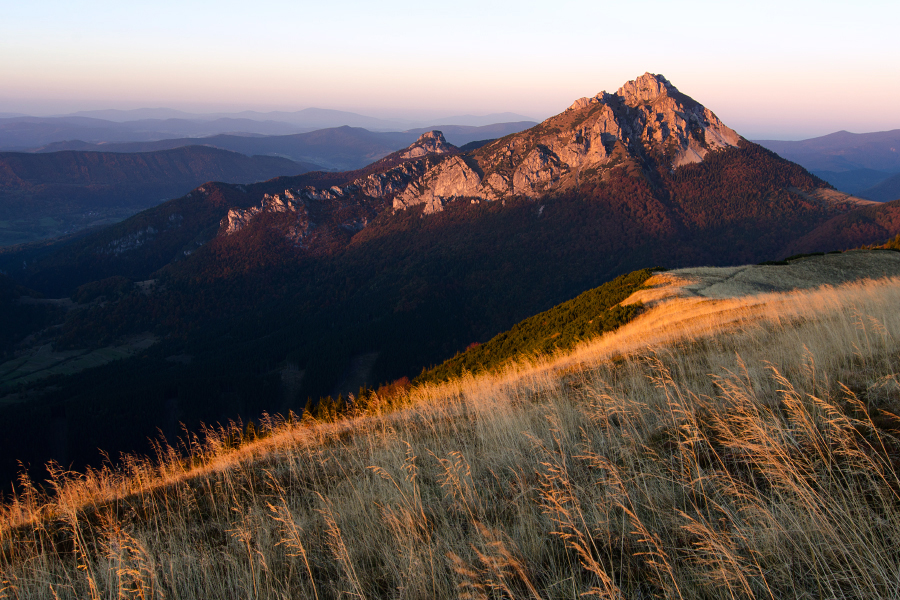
(315, 118)
(883, 191)
(24, 133)
(30, 133)
(235, 299)
(855, 163)
(47, 195)
(69, 186)
(339, 148)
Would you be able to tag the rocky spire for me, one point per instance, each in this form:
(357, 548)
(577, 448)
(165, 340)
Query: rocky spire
(430, 142)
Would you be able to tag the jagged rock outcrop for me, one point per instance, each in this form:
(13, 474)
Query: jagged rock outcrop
(430, 142)
(647, 119)
(348, 207)
(308, 217)
(390, 182)
(646, 126)
(452, 177)
(238, 218)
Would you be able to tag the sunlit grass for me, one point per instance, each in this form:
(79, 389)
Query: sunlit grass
(709, 449)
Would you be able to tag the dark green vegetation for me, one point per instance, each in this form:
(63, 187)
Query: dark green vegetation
(252, 322)
(134, 248)
(588, 315)
(111, 288)
(46, 195)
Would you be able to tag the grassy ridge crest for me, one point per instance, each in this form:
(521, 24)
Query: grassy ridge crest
(589, 314)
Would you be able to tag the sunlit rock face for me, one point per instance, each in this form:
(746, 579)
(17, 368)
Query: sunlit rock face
(647, 117)
(238, 218)
(351, 206)
(451, 178)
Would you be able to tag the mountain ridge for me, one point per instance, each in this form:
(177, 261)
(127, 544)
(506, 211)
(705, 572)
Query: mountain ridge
(853, 162)
(583, 138)
(307, 117)
(885, 190)
(335, 148)
(647, 125)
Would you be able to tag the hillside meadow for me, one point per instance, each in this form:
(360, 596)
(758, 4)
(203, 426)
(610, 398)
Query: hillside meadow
(721, 445)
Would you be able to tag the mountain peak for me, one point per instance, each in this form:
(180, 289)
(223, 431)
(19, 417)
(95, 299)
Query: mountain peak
(647, 125)
(647, 122)
(645, 89)
(430, 142)
(433, 135)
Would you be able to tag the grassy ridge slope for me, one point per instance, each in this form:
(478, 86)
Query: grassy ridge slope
(740, 446)
(591, 313)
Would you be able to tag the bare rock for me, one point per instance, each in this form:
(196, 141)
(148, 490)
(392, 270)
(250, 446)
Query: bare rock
(451, 178)
(431, 142)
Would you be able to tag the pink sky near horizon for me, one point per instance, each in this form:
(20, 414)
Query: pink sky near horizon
(780, 70)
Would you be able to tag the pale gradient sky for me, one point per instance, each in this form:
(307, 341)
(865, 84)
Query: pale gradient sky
(769, 69)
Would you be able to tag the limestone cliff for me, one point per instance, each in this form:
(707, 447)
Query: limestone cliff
(349, 207)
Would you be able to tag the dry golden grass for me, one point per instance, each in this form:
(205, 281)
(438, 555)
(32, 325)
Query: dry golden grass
(726, 448)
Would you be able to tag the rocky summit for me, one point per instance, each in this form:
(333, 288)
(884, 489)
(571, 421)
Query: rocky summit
(649, 151)
(430, 142)
(646, 121)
